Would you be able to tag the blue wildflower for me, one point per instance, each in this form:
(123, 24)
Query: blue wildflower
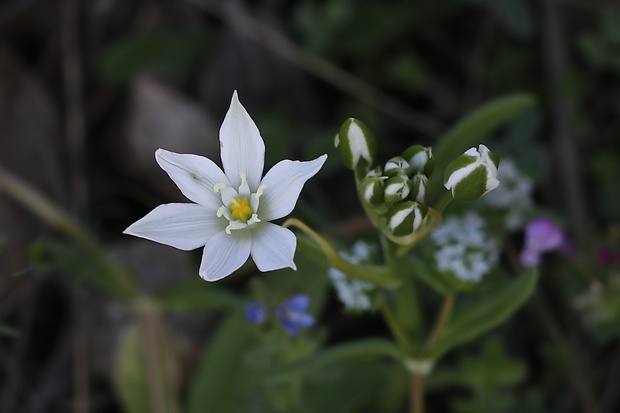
(293, 314)
(256, 313)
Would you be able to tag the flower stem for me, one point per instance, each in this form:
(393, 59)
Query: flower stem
(52, 214)
(395, 328)
(377, 275)
(442, 320)
(417, 393)
(443, 203)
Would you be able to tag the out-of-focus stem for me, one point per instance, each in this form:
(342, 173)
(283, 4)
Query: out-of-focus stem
(23, 193)
(442, 320)
(417, 393)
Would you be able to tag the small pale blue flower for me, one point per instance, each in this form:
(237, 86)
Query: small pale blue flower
(256, 313)
(293, 314)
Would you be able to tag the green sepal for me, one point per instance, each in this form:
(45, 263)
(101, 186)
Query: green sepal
(357, 146)
(420, 160)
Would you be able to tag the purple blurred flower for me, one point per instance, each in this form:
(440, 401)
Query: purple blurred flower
(256, 313)
(541, 236)
(293, 314)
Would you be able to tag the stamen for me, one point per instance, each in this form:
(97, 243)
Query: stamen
(218, 187)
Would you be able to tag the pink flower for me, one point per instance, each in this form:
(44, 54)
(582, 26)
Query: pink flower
(541, 236)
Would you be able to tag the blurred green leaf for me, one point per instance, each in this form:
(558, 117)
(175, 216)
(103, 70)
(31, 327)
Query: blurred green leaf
(360, 350)
(490, 377)
(476, 126)
(517, 17)
(353, 386)
(220, 380)
(7, 331)
(173, 52)
(483, 313)
(141, 383)
(81, 262)
(197, 295)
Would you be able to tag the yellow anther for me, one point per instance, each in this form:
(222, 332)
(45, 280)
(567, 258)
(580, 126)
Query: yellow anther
(240, 209)
(219, 187)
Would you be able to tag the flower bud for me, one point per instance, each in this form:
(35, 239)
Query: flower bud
(357, 145)
(396, 189)
(472, 174)
(418, 187)
(404, 218)
(396, 166)
(420, 160)
(372, 189)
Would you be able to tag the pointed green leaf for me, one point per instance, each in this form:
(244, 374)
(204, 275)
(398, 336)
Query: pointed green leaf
(219, 380)
(471, 130)
(7, 331)
(197, 295)
(145, 375)
(363, 349)
(484, 313)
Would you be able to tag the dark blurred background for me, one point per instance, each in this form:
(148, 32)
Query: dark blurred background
(90, 89)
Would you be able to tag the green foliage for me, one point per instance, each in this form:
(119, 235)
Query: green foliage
(489, 376)
(145, 369)
(7, 331)
(86, 264)
(359, 350)
(197, 295)
(517, 17)
(171, 52)
(481, 314)
(221, 382)
(478, 125)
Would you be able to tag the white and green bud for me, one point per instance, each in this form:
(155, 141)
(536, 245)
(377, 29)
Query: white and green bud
(397, 188)
(375, 173)
(420, 160)
(357, 145)
(372, 189)
(472, 174)
(396, 166)
(404, 218)
(419, 182)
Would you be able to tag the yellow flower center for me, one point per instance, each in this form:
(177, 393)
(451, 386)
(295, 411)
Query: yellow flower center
(240, 209)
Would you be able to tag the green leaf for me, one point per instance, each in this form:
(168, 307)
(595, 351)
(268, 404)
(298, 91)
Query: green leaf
(360, 350)
(85, 264)
(171, 51)
(484, 313)
(141, 383)
(220, 379)
(197, 295)
(356, 386)
(517, 17)
(8, 331)
(475, 127)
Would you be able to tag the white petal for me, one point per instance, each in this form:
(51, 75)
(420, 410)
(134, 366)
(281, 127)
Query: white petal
(223, 254)
(243, 149)
(273, 247)
(183, 226)
(283, 183)
(194, 175)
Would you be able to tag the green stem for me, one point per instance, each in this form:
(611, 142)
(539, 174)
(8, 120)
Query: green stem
(52, 214)
(442, 320)
(443, 202)
(417, 393)
(395, 328)
(380, 276)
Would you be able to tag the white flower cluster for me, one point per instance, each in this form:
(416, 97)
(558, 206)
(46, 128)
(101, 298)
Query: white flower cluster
(514, 194)
(354, 294)
(463, 248)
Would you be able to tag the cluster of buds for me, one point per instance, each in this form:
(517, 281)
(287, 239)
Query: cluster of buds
(395, 192)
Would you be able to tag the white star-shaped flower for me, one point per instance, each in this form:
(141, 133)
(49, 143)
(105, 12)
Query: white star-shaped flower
(232, 208)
